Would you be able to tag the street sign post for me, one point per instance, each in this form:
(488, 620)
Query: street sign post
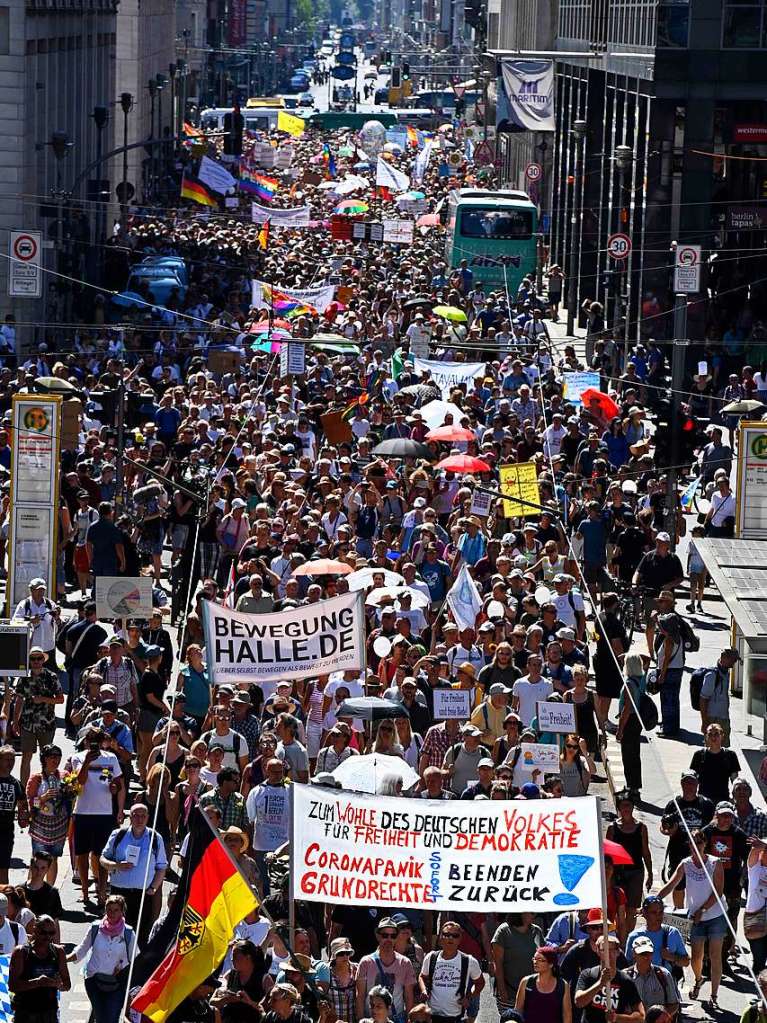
(619, 245)
(687, 269)
(25, 275)
(533, 172)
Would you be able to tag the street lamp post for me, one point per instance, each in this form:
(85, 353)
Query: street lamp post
(624, 157)
(60, 143)
(152, 86)
(172, 71)
(100, 119)
(126, 104)
(578, 132)
(161, 83)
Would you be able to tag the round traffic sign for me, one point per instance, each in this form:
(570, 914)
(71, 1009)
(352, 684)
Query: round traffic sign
(533, 171)
(687, 255)
(25, 247)
(618, 245)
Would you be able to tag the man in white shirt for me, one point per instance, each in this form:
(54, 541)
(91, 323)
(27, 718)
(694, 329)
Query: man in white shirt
(43, 615)
(528, 690)
(449, 978)
(553, 436)
(268, 807)
(569, 604)
(11, 934)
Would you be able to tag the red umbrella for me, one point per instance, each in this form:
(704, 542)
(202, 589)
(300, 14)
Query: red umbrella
(463, 463)
(616, 852)
(599, 404)
(450, 434)
(324, 566)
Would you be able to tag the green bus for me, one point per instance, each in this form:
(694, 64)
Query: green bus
(495, 232)
(333, 120)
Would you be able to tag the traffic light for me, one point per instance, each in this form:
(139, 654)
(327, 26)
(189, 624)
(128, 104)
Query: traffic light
(233, 127)
(460, 107)
(688, 437)
(396, 78)
(405, 69)
(474, 12)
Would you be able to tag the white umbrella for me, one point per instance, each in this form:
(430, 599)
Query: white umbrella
(435, 411)
(376, 596)
(365, 774)
(363, 577)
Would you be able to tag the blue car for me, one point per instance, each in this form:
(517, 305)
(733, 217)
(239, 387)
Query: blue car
(175, 264)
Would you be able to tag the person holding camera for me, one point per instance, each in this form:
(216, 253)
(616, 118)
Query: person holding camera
(99, 777)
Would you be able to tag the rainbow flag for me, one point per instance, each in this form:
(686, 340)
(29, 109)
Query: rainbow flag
(283, 301)
(329, 160)
(258, 184)
(413, 137)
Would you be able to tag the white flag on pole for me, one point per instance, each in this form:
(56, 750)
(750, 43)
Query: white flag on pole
(422, 162)
(464, 600)
(216, 176)
(389, 177)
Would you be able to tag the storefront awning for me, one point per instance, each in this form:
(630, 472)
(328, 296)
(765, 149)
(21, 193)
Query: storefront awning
(739, 571)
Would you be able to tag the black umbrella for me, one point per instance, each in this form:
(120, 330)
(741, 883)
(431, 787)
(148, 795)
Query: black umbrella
(402, 447)
(371, 708)
(419, 300)
(423, 393)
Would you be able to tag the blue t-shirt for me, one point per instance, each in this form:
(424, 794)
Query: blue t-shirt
(674, 943)
(435, 576)
(594, 541)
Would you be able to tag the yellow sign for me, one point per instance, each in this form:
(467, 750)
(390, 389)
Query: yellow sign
(520, 483)
(291, 124)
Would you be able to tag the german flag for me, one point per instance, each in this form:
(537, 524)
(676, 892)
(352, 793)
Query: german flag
(197, 192)
(263, 237)
(212, 898)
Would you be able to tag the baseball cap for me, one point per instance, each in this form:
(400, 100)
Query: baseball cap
(641, 945)
(469, 729)
(689, 775)
(663, 537)
(238, 503)
(725, 807)
(498, 689)
(486, 762)
(530, 791)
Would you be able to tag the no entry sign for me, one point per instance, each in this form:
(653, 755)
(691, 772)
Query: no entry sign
(25, 276)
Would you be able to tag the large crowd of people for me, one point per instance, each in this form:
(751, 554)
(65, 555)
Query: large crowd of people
(235, 480)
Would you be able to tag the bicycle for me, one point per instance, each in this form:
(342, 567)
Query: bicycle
(628, 612)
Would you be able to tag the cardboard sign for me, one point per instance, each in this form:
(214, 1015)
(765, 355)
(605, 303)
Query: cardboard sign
(520, 482)
(556, 717)
(541, 755)
(452, 703)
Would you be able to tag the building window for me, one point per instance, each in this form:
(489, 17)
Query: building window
(673, 24)
(5, 31)
(742, 26)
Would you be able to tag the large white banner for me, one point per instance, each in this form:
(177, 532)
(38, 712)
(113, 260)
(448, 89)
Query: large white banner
(447, 375)
(521, 856)
(526, 96)
(311, 640)
(296, 217)
(319, 298)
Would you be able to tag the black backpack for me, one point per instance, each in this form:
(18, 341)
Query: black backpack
(696, 683)
(689, 638)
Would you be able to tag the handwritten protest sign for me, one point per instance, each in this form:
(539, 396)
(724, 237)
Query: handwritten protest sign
(531, 856)
(520, 482)
(311, 640)
(544, 756)
(451, 703)
(556, 717)
(577, 383)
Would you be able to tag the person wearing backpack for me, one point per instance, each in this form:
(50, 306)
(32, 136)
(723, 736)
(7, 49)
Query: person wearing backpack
(449, 978)
(544, 996)
(108, 944)
(669, 649)
(654, 983)
(714, 694)
(125, 858)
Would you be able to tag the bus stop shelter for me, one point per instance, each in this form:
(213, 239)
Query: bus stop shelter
(738, 569)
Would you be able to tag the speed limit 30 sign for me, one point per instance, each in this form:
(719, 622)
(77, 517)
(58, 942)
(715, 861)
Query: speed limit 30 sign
(533, 172)
(618, 245)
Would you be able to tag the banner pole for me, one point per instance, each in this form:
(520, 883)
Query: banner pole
(603, 887)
